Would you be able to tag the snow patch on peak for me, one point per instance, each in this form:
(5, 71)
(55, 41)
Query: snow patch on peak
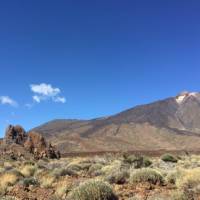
(183, 95)
(180, 98)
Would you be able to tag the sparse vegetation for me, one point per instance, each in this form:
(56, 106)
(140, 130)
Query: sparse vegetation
(169, 158)
(95, 169)
(118, 177)
(7, 179)
(146, 175)
(28, 170)
(101, 177)
(93, 190)
(137, 161)
(29, 181)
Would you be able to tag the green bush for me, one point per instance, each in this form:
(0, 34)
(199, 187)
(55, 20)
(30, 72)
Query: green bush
(29, 181)
(146, 175)
(118, 177)
(92, 190)
(130, 159)
(146, 162)
(137, 161)
(169, 158)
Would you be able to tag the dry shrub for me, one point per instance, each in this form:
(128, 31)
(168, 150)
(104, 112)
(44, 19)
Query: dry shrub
(28, 170)
(63, 188)
(113, 166)
(189, 183)
(47, 181)
(92, 190)
(117, 177)
(137, 161)
(7, 179)
(95, 169)
(146, 175)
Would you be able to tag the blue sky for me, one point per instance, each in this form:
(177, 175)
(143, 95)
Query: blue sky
(86, 59)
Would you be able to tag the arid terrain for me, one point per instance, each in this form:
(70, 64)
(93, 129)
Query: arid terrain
(33, 169)
(150, 152)
(106, 177)
(169, 124)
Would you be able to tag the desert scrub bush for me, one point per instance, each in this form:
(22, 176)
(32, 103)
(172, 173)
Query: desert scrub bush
(63, 172)
(74, 167)
(63, 188)
(169, 158)
(85, 166)
(28, 170)
(175, 175)
(8, 166)
(137, 161)
(129, 158)
(117, 177)
(100, 160)
(189, 183)
(47, 181)
(80, 164)
(95, 169)
(146, 175)
(115, 165)
(171, 177)
(92, 190)
(7, 179)
(29, 181)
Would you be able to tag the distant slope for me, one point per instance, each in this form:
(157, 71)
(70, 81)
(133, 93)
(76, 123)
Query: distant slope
(171, 124)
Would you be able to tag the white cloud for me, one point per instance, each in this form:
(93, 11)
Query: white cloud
(59, 99)
(6, 100)
(45, 91)
(37, 98)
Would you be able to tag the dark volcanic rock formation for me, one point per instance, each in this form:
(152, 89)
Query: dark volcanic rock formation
(32, 142)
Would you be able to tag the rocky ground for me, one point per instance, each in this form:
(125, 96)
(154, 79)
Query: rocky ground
(107, 177)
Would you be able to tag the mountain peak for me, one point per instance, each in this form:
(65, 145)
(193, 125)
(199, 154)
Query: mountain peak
(181, 97)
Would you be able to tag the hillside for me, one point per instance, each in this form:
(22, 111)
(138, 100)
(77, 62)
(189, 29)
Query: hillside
(172, 124)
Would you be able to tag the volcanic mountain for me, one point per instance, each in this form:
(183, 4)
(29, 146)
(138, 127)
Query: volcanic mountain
(169, 124)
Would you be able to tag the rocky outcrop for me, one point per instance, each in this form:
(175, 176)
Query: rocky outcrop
(33, 142)
(15, 134)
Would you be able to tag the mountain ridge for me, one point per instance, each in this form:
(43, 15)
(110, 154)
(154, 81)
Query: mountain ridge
(172, 123)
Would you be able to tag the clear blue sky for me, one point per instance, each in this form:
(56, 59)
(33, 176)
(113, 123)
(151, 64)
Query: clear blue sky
(100, 56)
